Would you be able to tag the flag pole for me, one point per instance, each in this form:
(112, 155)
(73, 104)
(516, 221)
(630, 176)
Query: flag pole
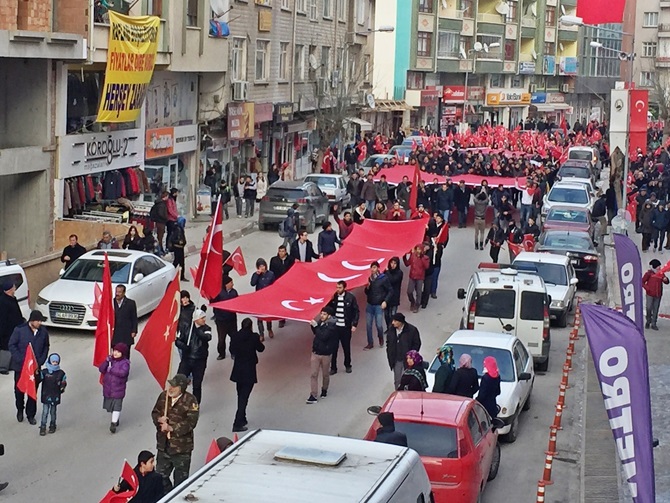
(170, 363)
(209, 248)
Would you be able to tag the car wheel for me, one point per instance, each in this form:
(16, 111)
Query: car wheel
(311, 225)
(510, 437)
(495, 463)
(262, 227)
(562, 320)
(526, 405)
(544, 366)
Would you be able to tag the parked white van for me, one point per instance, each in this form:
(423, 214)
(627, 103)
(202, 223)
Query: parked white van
(510, 302)
(286, 466)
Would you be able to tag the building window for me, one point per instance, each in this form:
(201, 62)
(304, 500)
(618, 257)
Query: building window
(312, 57)
(342, 10)
(301, 6)
(192, 13)
(550, 16)
(155, 8)
(517, 81)
(299, 63)
(328, 9)
(595, 62)
(448, 43)
(313, 10)
(647, 79)
(650, 20)
(283, 61)
(550, 48)
(512, 12)
(424, 41)
(360, 12)
(325, 62)
(262, 60)
(497, 80)
(367, 71)
(649, 49)
(510, 50)
(494, 53)
(285, 4)
(468, 9)
(426, 6)
(238, 59)
(416, 80)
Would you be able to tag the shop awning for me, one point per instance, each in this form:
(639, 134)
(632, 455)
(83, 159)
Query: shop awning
(551, 107)
(390, 106)
(365, 125)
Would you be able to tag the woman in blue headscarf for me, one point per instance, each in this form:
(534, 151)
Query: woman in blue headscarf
(446, 371)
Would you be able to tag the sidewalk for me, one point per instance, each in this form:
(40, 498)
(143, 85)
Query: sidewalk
(233, 228)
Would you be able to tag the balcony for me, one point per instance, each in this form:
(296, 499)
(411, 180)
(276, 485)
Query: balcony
(665, 4)
(14, 161)
(525, 57)
(529, 22)
(663, 62)
(490, 17)
(567, 35)
(100, 44)
(664, 30)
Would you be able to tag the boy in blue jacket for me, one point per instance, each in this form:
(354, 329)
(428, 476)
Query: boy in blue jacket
(53, 386)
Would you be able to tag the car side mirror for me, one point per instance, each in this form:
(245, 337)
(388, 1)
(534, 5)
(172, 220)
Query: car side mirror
(574, 281)
(61, 272)
(461, 293)
(374, 410)
(138, 277)
(497, 423)
(524, 376)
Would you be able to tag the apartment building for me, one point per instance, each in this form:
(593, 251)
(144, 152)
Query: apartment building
(479, 60)
(292, 63)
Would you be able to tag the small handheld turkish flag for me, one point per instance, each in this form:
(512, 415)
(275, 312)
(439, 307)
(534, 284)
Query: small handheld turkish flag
(26, 382)
(128, 490)
(238, 262)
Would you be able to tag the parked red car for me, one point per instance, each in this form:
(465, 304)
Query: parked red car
(455, 437)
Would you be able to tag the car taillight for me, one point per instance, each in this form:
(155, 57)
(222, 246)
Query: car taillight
(591, 258)
(463, 445)
(471, 316)
(302, 200)
(265, 198)
(545, 323)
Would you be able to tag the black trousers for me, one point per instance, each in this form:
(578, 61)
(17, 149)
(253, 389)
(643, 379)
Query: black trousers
(170, 229)
(30, 404)
(179, 259)
(344, 335)
(243, 392)
(223, 329)
(494, 252)
(427, 285)
(197, 368)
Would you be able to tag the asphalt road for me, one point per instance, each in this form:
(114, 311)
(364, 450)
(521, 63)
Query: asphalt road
(83, 459)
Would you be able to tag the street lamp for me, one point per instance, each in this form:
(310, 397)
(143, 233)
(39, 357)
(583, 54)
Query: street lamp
(382, 29)
(571, 21)
(477, 49)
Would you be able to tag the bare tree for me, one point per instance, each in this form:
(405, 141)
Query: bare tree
(660, 94)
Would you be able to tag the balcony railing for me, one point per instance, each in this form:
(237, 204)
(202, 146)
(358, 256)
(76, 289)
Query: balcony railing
(664, 28)
(448, 54)
(486, 17)
(101, 43)
(663, 62)
(529, 22)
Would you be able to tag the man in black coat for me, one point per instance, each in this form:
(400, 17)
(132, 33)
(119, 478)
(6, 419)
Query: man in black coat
(279, 265)
(150, 488)
(125, 318)
(35, 334)
(245, 345)
(71, 252)
(401, 337)
(226, 321)
(194, 346)
(387, 433)
(346, 310)
(302, 250)
(462, 203)
(10, 313)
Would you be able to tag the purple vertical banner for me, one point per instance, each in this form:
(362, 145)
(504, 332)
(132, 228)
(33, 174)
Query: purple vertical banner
(620, 357)
(630, 279)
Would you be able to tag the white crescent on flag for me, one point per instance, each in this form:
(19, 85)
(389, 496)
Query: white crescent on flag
(287, 305)
(328, 279)
(365, 267)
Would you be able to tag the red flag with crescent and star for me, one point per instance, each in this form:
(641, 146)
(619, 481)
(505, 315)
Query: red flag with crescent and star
(210, 269)
(105, 326)
(26, 383)
(128, 476)
(160, 332)
(528, 242)
(238, 262)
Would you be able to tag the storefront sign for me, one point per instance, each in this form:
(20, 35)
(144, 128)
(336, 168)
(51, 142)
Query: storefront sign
(527, 67)
(507, 97)
(549, 65)
(133, 41)
(555, 98)
(283, 112)
(84, 154)
(538, 98)
(263, 112)
(240, 121)
(265, 20)
(430, 98)
(166, 141)
(568, 66)
(476, 93)
(453, 94)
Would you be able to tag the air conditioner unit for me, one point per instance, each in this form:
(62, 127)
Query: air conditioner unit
(565, 88)
(322, 87)
(240, 90)
(532, 88)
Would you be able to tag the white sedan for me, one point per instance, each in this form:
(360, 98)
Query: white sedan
(68, 301)
(516, 371)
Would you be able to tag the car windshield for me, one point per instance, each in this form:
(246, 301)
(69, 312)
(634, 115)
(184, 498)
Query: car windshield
(495, 303)
(553, 274)
(582, 155)
(568, 241)
(574, 172)
(478, 353)
(566, 195)
(286, 195)
(91, 270)
(561, 215)
(430, 440)
(325, 182)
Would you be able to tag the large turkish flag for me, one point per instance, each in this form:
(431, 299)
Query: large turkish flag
(395, 175)
(601, 11)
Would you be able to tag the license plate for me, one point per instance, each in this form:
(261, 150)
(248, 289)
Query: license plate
(67, 316)
(574, 261)
(280, 208)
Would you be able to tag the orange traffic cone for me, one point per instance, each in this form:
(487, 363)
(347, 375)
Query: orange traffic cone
(552, 442)
(540, 492)
(546, 474)
(561, 395)
(557, 417)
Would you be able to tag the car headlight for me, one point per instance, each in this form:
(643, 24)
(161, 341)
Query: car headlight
(41, 301)
(558, 304)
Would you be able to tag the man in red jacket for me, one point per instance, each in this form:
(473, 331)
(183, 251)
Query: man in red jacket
(417, 263)
(653, 281)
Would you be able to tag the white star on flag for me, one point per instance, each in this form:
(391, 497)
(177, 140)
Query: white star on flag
(313, 301)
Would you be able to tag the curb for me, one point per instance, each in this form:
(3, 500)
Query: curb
(231, 236)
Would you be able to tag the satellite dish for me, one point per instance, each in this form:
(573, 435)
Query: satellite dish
(533, 9)
(444, 4)
(219, 7)
(464, 54)
(502, 8)
(313, 62)
(486, 48)
(560, 46)
(533, 53)
(478, 46)
(371, 101)
(562, 10)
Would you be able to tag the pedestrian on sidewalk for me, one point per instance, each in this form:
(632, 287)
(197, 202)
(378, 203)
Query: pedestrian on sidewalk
(172, 212)
(238, 193)
(465, 381)
(226, 321)
(194, 347)
(125, 318)
(225, 196)
(249, 196)
(414, 376)
(176, 244)
(263, 278)
(418, 263)
(652, 282)
(646, 227)
(174, 431)
(73, 251)
(323, 346)
(378, 293)
(279, 265)
(150, 484)
(395, 275)
(245, 345)
(33, 333)
(489, 387)
(660, 222)
(53, 386)
(401, 337)
(115, 370)
(347, 313)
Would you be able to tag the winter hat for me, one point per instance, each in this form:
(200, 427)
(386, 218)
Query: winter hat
(199, 314)
(54, 359)
(36, 316)
(121, 348)
(179, 380)
(655, 263)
